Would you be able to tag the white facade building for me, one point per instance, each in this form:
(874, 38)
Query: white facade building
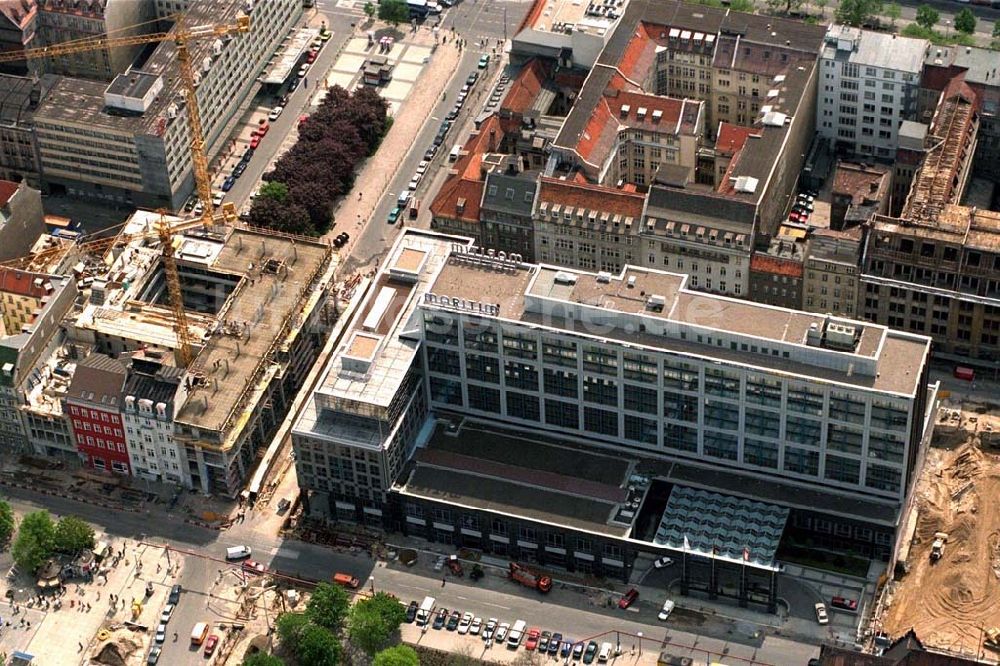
(868, 85)
(151, 394)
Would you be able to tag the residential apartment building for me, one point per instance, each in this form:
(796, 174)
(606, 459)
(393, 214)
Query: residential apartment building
(934, 269)
(869, 84)
(32, 307)
(18, 25)
(93, 405)
(776, 272)
(19, 97)
(22, 219)
(127, 141)
(587, 226)
(831, 272)
(70, 20)
(151, 395)
(506, 209)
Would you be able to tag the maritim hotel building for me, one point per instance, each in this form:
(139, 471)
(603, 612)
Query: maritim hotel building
(583, 420)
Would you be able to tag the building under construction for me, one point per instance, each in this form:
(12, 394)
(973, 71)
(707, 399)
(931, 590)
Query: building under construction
(255, 304)
(936, 268)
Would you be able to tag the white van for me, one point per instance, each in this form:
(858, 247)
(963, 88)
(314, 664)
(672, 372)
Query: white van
(453, 155)
(424, 612)
(238, 553)
(605, 653)
(516, 634)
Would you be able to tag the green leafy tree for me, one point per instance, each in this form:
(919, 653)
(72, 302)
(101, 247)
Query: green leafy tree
(328, 606)
(822, 6)
(7, 522)
(784, 5)
(73, 534)
(35, 541)
(399, 655)
(374, 621)
(394, 12)
(316, 646)
(369, 10)
(927, 17)
(995, 44)
(289, 626)
(262, 659)
(858, 12)
(745, 6)
(276, 191)
(892, 12)
(965, 21)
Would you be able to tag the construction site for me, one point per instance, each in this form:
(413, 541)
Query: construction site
(947, 587)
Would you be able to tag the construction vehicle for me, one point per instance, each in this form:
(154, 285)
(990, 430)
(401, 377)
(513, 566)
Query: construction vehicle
(528, 578)
(136, 609)
(937, 547)
(182, 37)
(992, 638)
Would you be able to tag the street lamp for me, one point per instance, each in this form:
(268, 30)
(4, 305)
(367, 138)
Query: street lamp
(639, 634)
(371, 583)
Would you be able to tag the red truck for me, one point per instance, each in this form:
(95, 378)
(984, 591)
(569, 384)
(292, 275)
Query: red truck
(529, 578)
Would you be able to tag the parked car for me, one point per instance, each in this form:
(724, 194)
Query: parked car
(303, 69)
(543, 641)
(489, 629)
(453, 620)
(217, 198)
(239, 169)
(821, 615)
(247, 155)
(210, 644)
(662, 562)
(452, 114)
(311, 56)
(154, 655)
(566, 649)
(578, 650)
(476, 626)
(422, 167)
(590, 652)
(414, 182)
(554, 642)
(189, 204)
(500, 635)
(465, 622)
(254, 142)
(325, 35)
(484, 60)
(199, 208)
(228, 183)
(393, 217)
(430, 152)
(161, 633)
(253, 566)
(293, 84)
(531, 640)
(275, 113)
(845, 604)
(628, 598)
(411, 612)
(472, 78)
(668, 608)
(168, 610)
(440, 618)
(605, 654)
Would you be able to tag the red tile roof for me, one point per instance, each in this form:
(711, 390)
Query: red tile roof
(639, 55)
(7, 190)
(732, 137)
(525, 87)
(467, 183)
(765, 263)
(591, 197)
(22, 283)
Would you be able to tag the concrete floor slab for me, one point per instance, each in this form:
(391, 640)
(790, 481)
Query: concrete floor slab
(416, 54)
(407, 71)
(357, 45)
(349, 62)
(397, 90)
(342, 79)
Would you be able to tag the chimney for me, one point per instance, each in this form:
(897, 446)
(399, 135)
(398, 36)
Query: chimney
(493, 140)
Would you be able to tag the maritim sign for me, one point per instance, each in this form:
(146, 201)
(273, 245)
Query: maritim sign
(463, 305)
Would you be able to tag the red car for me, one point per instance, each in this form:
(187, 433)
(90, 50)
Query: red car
(262, 129)
(254, 142)
(252, 566)
(311, 57)
(531, 642)
(845, 604)
(628, 599)
(210, 644)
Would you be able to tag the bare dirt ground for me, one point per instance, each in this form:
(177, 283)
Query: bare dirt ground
(948, 603)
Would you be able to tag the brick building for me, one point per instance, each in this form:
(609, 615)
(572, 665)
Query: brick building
(94, 403)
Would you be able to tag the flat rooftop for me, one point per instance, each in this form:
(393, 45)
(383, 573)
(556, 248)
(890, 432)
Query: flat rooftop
(508, 472)
(972, 228)
(555, 15)
(276, 277)
(898, 357)
(150, 324)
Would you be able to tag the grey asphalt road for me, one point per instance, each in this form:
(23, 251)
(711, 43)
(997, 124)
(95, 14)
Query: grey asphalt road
(563, 610)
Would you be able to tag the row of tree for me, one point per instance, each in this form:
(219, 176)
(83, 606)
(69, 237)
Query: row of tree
(306, 181)
(313, 637)
(39, 537)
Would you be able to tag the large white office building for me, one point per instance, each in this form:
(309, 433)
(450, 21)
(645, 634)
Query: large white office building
(868, 85)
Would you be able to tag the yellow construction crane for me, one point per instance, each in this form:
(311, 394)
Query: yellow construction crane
(181, 36)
